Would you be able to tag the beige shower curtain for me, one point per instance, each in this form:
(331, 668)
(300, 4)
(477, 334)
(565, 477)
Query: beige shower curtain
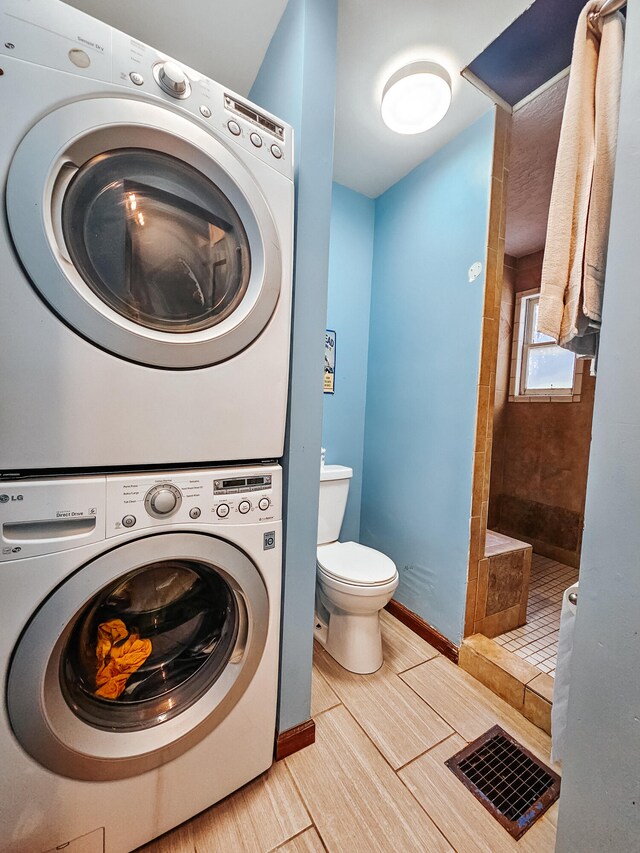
(575, 255)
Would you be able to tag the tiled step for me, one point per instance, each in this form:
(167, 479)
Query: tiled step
(516, 681)
(503, 585)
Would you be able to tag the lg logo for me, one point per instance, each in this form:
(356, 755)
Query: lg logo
(6, 498)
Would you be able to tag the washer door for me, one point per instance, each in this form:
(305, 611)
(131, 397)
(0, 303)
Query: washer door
(144, 233)
(138, 656)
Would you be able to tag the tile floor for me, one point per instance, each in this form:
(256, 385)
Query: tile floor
(375, 779)
(537, 641)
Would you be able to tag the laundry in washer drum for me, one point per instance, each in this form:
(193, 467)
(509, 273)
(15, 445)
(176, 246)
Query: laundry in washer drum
(168, 628)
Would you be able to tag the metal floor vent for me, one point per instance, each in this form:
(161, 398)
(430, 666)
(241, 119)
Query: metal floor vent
(509, 781)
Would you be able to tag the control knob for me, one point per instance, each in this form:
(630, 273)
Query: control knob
(163, 500)
(172, 79)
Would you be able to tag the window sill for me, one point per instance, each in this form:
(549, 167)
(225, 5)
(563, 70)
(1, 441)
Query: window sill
(541, 398)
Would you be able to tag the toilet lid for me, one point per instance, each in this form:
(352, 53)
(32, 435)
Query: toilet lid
(355, 563)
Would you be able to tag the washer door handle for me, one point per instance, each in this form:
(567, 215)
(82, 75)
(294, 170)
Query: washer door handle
(66, 174)
(243, 629)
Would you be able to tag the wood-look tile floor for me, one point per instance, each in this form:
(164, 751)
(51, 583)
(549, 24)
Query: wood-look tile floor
(375, 779)
(537, 641)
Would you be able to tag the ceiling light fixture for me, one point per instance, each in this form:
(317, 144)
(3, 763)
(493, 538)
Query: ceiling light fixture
(416, 97)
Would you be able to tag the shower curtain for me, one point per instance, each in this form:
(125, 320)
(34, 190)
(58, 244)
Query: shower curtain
(573, 272)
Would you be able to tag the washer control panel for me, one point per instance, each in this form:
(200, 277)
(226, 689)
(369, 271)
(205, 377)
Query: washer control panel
(44, 516)
(163, 500)
(242, 495)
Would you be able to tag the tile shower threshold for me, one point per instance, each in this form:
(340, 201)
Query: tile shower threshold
(518, 682)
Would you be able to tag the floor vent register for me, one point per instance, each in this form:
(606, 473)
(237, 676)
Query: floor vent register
(510, 782)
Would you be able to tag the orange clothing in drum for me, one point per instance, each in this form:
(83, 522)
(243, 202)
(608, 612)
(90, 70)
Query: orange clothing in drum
(119, 655)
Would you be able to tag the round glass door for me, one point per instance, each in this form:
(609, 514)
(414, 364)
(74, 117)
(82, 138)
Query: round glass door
(156, 240)
(149, 645)
(147, 234)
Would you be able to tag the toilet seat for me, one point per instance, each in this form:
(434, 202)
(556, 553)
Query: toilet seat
(352, 564)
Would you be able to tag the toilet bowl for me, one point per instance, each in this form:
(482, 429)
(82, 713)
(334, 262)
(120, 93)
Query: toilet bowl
(353, 583)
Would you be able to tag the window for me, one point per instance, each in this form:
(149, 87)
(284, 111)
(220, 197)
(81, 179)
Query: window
(540, 369)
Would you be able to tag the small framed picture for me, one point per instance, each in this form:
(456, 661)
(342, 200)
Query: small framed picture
(329, 361)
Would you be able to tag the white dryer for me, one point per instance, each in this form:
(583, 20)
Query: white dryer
(145, 256)
(139, 651)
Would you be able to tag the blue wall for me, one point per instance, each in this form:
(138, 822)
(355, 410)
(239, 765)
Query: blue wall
(297, 81)
(350, 267)
(424, 350)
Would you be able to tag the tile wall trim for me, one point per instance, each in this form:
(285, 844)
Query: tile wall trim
(488, 364)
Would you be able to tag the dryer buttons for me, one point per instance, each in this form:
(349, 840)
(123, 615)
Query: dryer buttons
(264, 503)
(163, 500)
(136, 78)
(244, 507)
(234, 127)
(195, 512)
(256, 140)
(222, 510)
(129, 521)
(172, 79)
(276, 151)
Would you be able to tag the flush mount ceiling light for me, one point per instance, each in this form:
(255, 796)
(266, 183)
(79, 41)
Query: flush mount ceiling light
(416, 97)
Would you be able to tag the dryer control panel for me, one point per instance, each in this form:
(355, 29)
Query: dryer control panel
(245, 495)
(56, 35)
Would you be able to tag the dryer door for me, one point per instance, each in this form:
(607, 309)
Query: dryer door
(144, 233)
(138, 655)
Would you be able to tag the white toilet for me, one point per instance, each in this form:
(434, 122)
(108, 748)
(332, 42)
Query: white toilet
(353, 583)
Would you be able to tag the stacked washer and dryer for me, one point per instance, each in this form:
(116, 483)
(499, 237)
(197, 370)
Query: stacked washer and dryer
(145, 263)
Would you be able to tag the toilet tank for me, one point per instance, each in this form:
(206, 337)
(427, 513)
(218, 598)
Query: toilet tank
(334, 490)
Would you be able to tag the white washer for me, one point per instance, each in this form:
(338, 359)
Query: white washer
(139, 651)
(146, 254)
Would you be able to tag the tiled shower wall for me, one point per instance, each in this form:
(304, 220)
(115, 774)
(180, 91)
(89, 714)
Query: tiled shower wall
(478, 570)
(540, 449)
(505, 332)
